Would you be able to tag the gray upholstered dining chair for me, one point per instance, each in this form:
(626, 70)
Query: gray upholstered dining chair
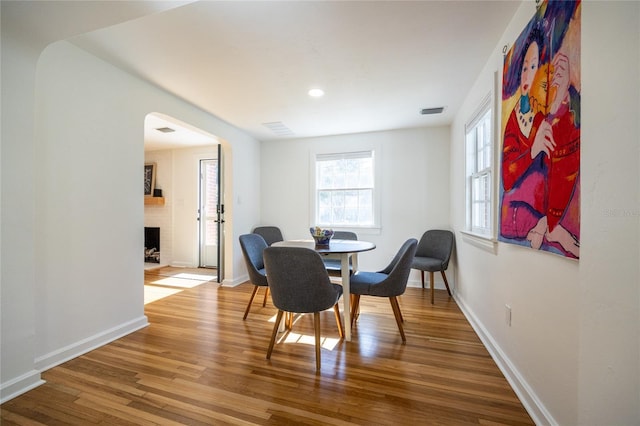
(334, 266)
(253, 246)
(433, 254)
(345, 235)
(271, 234)
(299, 283)
(390, 282)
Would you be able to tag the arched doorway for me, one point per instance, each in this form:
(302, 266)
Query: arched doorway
(189, 193)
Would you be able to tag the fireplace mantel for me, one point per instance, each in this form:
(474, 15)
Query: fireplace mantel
(154, 201)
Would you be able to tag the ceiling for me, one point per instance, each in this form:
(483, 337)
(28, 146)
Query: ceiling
(164, 132)
(252, 63)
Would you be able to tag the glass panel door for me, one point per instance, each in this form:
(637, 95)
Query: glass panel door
(209, 200)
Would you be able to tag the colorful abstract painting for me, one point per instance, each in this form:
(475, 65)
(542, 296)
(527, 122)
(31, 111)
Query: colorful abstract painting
(540, 155)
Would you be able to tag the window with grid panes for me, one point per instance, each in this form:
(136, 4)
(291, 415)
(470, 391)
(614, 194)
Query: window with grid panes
(479, 170)
(345, 189)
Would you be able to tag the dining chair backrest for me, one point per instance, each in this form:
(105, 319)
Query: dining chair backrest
(271, 234)
(437, 244)
(334, 266)
(253, 246)
(298, 280)
(345, 235)
(397, 271)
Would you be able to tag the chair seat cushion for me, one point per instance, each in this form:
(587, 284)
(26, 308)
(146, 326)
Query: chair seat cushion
(362, 282)
(429, 264)
(334, 267)
(332, 264)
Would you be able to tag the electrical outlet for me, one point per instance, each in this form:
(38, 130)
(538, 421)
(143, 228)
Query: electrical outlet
(507, 314)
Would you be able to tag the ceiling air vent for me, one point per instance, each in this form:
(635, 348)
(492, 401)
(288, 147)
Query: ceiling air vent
(278, 128)
(165, 129)
(428, 111)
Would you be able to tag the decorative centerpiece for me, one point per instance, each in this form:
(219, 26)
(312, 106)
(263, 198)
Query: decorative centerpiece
(322, 236)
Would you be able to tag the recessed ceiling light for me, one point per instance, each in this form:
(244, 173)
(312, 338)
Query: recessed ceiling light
(316, 93)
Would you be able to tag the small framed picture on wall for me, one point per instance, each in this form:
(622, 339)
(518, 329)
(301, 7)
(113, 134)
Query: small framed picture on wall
(149, 179)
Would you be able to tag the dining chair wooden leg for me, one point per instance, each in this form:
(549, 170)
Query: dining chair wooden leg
(266, 294)
(446, 283)
(357, 311)
(400, 310)
(355, 308)
(288, 320)
(274, 333)
(316, 326)
(396, 311)
(432, 286)
(336, 310)
(253, 294)
(422, 277)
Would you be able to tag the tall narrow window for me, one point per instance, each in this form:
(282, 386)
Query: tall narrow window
(479, 142)
(345, 189)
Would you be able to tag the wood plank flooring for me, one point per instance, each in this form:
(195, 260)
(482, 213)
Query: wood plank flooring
(199, 363)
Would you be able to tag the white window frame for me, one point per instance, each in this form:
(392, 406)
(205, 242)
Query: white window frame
(477, 170)
(314, 191)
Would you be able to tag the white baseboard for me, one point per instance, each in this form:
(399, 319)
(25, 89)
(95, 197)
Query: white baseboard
(32, 379)
(183, 264)
(81, 347)
(525, 393)
(20, 385)
(235, 281)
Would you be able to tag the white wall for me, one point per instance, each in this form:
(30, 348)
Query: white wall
(24, 35)
(572, 350)
(609, 339)
(89, 212)
(90, 208)
(414, 176)
(17, 278)
(72, 207)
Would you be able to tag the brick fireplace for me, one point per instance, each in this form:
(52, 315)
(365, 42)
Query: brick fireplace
(151, 245)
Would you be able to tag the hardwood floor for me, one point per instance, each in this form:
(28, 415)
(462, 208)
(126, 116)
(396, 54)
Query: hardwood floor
(199, 363)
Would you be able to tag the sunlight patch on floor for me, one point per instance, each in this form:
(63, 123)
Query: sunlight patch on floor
(177, 282)
(153, 293)
(328, 343)
(170, 285)
(197, 277)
